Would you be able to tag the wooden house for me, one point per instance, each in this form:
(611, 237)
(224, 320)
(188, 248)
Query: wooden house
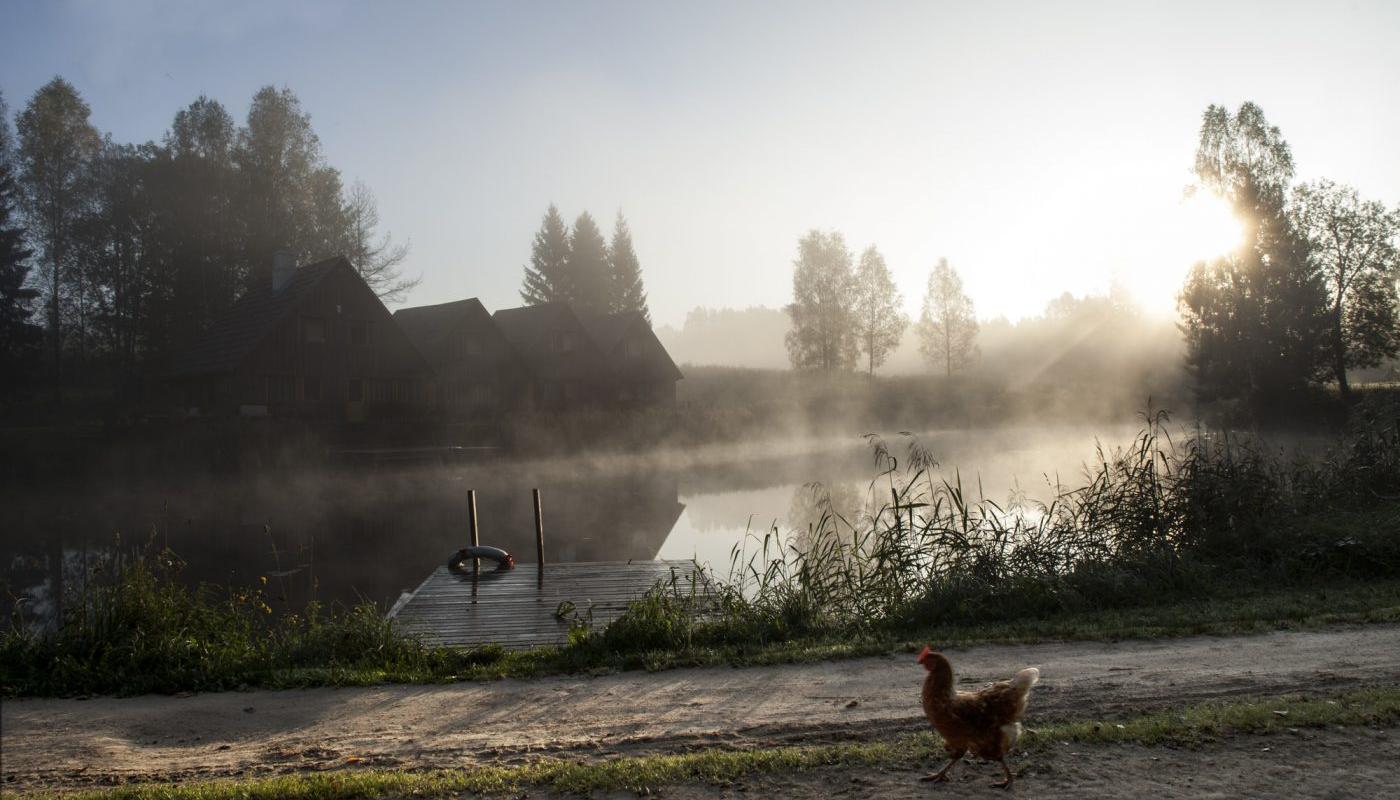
(316, 344)
(477, 371)
(577, 360)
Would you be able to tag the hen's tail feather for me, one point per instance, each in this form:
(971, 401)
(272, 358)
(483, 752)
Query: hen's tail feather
(1026, 678)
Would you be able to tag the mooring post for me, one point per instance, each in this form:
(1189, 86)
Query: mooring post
(539, 532)
(471, 523)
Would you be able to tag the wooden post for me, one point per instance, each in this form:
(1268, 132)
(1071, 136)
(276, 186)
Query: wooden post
(539, 532)
(471, 523)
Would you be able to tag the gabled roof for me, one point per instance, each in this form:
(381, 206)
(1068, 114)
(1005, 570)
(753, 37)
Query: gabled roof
(531, 330)
(233, 335)
(430, 327)
(608, 331)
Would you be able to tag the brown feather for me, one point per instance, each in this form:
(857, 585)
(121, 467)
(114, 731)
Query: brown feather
(973, 721)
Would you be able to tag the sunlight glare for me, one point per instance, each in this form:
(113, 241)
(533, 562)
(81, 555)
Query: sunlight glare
(1199, 227)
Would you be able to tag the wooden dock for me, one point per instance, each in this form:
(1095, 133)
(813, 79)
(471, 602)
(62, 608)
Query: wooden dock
(517, 608)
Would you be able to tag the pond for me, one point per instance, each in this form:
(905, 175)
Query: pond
(348, 535)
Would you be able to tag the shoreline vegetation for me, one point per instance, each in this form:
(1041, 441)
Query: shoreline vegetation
(1218, 534)
(1191, 727)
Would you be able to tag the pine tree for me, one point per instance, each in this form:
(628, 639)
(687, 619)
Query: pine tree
(628, 294)
(879, 321)
(546, 280)
(589, 277)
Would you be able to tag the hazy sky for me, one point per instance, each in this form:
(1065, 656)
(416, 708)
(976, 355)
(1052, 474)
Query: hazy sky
(1041, 147)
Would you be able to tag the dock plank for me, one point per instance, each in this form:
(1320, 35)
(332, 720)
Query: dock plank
(516, 609)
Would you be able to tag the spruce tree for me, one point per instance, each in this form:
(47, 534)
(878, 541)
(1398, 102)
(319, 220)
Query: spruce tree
(628, 293)
(589, 277)
(545, 279)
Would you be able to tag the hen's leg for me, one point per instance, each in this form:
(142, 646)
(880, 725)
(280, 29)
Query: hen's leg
(1006, 784)
(942, 774)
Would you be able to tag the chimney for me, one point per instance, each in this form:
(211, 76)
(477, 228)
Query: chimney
(284, 266)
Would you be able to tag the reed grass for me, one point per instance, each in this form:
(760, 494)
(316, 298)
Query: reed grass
(1153, 522)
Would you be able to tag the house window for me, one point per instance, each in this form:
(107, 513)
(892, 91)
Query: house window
(472, 346)
(563, 342)
(311, 389)
(355, 390)
(361, 334)
(313, 330)
(483, 394)
(633, 347)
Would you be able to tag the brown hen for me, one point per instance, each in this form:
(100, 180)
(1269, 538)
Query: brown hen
(985, 722)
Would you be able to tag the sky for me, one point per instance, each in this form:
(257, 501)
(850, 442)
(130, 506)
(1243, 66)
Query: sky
(1040, 147)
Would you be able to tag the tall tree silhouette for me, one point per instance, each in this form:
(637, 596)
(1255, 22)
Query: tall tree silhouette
(823, 296)
(1254, 319)
(589, 276)
(290, 198)
(57, 144)
(1352, 244)
(879, 320)
(546, 280)
(628, 292)
(19, 338)
(947, 325)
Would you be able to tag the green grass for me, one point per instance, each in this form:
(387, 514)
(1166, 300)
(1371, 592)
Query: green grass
(1191, 727)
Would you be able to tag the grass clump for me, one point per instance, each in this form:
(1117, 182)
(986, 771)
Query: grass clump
(1191, 726)
(136, 628)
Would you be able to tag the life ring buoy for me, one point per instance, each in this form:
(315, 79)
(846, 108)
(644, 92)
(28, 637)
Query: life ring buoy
(459, 560)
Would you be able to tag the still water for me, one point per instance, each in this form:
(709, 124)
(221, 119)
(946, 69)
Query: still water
(348, 535)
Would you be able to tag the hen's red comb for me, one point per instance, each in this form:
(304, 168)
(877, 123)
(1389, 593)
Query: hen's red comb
(923, 654)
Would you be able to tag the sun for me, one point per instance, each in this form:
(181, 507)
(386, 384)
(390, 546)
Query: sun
(1198, 227)
(1207, 226)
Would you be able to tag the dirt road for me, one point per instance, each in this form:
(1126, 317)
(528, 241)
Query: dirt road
(66, 742)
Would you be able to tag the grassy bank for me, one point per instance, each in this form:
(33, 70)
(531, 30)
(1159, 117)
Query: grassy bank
(1157, 522)
(1187, 727)
(1208, 535)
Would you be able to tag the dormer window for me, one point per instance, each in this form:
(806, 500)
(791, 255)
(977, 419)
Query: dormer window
(563, 342)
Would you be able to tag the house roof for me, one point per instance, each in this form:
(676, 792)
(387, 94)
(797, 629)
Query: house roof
(234, 334)
(427, 325)
(531, 331)
(608, 331)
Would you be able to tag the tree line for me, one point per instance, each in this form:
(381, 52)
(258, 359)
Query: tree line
(112, 255)
(577, 266)
(843, 314)
(1310, 294)
(1311, 291)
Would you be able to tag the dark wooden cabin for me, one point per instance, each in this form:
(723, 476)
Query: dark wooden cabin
(315, 344)
(641, 371)
(575, 360)
(478, 372)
